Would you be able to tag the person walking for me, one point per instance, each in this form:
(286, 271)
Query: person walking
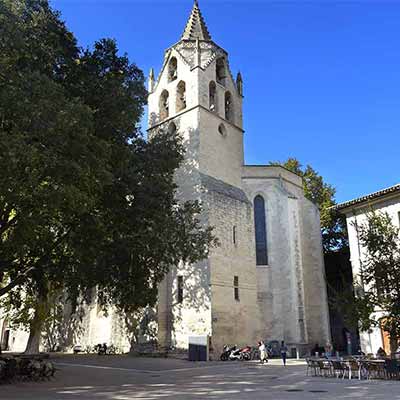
(263, 352)
(284, 351)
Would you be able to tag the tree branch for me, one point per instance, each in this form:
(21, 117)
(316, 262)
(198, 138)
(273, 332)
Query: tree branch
(4, 290)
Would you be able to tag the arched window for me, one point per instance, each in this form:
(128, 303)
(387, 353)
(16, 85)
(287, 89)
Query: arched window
(213, 96)
(220, 70)
(260, 231)
(172, 69)
(172, 127)
(228, 107)
(180, 96)
(164, 105)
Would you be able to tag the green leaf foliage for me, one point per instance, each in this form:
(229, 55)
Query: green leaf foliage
(333, 225)
(85, 200)
(380, 273)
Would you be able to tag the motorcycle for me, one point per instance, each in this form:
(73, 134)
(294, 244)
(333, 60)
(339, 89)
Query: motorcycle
(101, 349)
(235, 354)
(226, 352)
(246, 353)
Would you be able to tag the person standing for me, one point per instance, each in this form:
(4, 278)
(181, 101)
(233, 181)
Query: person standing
(284, 351)
(263, 352)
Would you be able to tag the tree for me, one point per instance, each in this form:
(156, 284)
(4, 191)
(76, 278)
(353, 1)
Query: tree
(85, 200)
(333, 224)
(379, 276)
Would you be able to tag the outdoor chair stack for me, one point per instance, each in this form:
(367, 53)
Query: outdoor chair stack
(354, 368)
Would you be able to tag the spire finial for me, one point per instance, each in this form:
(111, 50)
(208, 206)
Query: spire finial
(151, 80)
(196, 27)
(239, 83)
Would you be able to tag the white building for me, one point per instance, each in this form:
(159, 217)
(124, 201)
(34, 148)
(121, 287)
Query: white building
(266, 280)
(386, 201)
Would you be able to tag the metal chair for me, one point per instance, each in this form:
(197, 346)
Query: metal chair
(312, 365)
(325, 368)
(352, 366)
(338, 369)
(391, 369)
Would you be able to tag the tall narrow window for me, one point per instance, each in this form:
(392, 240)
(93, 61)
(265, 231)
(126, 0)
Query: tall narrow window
(234, 234)
(180, 289)
(213, 96)
(260, 231)
(220, 71)
(228, 107)
(236, 287)
(164, 105)
(171, 128)
(180, 96)
(172, 69)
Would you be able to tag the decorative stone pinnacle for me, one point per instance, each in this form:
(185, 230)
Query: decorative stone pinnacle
(196, 27)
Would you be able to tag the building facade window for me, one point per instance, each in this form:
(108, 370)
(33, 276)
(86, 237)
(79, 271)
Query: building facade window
(180, 289)
(236, 287)
(228, 107)
(172, 69)
(164, 105)
(220, 71)
(260, 231)
(172, 127)
(180, 96)
(213, 96)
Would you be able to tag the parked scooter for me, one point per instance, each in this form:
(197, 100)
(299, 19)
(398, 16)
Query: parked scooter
(226, 352)
(234, 353)
(101, 349)
(246, 353)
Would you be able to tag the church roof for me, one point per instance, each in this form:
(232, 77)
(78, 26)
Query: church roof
(218, 186)
(372, 196)
(196, 27)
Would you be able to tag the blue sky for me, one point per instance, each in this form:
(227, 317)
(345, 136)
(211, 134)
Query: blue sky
(321, 78)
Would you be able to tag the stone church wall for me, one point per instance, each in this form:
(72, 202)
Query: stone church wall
(295, 265)
(316, 300)
(233, 320)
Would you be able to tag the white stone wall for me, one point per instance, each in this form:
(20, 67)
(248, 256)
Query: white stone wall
(357, 215)
(315, 290)
(220, 156)
(18, 338)
(233, 321)
(291, 288)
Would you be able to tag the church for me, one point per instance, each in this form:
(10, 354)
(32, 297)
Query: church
(266, 280)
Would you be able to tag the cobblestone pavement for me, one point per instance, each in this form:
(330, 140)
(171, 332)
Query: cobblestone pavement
(123, 378)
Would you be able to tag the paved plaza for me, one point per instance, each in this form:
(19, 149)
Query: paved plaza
(124, 377)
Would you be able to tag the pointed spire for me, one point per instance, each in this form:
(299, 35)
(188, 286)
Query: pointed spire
(239, 83)
(151, 80)
(196, 27)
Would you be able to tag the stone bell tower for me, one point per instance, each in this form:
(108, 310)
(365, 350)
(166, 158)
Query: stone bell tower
(196, 95)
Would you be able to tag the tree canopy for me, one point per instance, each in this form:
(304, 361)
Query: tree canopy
(85, 200)
(333, 225)
(379, 277)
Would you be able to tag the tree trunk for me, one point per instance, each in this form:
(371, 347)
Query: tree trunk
(393, 346)
(35, 329)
